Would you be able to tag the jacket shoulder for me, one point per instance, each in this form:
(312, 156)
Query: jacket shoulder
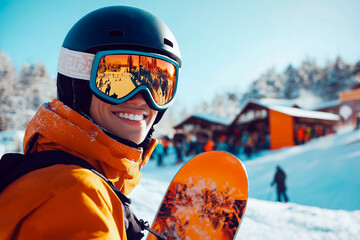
(65, 195)
(55, 179)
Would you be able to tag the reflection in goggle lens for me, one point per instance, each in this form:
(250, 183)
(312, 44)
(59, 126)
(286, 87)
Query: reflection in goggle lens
(118, 75)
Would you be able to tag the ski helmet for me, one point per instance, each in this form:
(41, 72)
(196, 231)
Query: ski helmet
(113, 28)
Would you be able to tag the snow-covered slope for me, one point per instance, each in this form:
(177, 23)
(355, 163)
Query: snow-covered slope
(265, 219)
(273, 220)
(321, 173)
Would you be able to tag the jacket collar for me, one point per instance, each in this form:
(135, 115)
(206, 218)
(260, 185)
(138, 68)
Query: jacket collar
(58, 127)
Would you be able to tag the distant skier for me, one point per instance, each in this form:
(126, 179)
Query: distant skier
(279, 180)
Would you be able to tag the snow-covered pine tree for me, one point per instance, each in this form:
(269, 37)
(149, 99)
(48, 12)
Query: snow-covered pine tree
(336, 77)
(21, 96)
(291, 83)
(268, 85)
(8, 81)
(36, 87)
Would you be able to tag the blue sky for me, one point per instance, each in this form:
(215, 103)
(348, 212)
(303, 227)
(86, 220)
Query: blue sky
(225, 45)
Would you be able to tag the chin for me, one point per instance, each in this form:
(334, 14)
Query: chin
(139, 141)
(136, 140)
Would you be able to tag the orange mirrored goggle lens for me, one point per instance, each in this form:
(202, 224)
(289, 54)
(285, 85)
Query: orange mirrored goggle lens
(119, 74)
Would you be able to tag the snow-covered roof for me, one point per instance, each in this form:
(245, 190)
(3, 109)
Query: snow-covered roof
(297, 112)
(272, 101)
(267, 102)
(286, 106)
(326, 104)
(213, 118)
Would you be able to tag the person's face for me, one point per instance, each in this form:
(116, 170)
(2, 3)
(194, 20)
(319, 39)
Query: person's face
(129, 120)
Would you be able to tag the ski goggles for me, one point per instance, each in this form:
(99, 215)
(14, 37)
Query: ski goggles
(117, 75)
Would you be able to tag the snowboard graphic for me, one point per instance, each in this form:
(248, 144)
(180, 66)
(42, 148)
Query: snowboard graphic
(205, 200)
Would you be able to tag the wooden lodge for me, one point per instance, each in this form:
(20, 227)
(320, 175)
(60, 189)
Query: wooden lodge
(273, 124)
(209, 123)
(278, 125)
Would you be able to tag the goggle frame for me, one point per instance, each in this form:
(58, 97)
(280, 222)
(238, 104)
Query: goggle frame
(149, 99)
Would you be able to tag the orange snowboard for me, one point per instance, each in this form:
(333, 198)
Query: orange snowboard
(205, 200)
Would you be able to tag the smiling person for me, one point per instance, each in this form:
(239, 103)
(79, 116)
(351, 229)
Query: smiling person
(115, 66)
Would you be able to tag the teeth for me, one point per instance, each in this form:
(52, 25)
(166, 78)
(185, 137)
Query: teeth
(133, 117)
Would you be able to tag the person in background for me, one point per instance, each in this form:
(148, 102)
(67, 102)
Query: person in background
(300, 134)
(308, 134)
(249, 144)
(222, 143)
(279, 180)
(209, 145)
(179, 144)
(165, 143)
(159, 153)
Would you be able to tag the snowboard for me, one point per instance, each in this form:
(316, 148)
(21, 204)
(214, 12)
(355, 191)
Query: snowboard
(205, 200)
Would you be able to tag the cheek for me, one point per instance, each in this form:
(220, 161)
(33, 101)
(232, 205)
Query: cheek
(97, 109)
(153, 117)
(94, 110)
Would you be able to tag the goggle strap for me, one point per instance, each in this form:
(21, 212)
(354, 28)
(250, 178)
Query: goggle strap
(75, 64)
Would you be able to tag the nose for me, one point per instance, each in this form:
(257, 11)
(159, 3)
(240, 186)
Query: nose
(137, 100)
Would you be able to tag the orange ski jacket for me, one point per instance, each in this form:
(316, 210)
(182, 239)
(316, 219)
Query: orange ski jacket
(67, 201)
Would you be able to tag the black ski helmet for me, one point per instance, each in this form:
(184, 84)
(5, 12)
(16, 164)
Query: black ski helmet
(110, 28)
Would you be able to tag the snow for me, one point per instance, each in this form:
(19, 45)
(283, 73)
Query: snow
(323, 186)
(322, 173)
(11, 141)
(332, 103)
(272, 220)
(287, 107)
(273, 101)
(297, 112)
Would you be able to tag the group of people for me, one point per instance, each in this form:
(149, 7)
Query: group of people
(254, 142)
(193, 144)
(187, 145)
(304, 133)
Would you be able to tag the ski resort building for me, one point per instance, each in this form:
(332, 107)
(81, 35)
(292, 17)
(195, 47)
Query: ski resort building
(274, 126)
(204, 123)
(330, 107)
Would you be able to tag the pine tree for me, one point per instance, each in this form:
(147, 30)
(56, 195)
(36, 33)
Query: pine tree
(292, 82)
(21, 96)
(8, 81)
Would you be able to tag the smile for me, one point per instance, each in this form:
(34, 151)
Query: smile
(133, 117)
